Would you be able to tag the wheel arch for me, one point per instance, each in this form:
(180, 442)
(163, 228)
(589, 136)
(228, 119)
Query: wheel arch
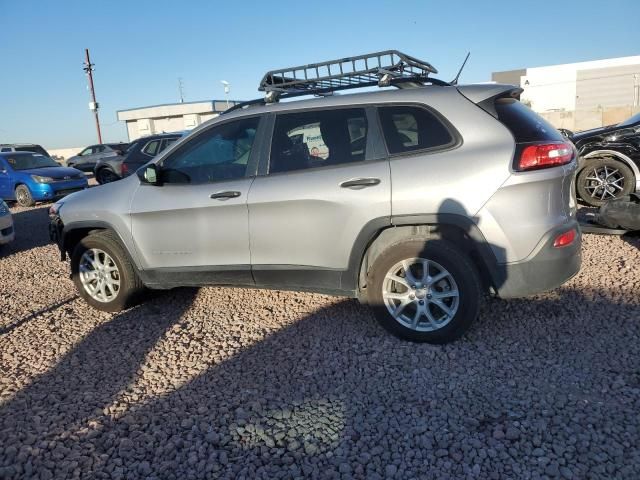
(457, 229)
(75, 232)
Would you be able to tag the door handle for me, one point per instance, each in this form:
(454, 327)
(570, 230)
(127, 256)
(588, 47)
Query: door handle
(225, 195)
(360, 182)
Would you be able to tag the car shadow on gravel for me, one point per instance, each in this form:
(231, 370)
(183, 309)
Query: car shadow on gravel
(31, 230)
(82, 384)
(4, 329)
(632, 238)
(333, 394)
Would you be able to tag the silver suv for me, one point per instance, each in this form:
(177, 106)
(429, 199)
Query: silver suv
(417, 201)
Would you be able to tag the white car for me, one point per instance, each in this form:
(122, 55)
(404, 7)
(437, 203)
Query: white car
(7, 233)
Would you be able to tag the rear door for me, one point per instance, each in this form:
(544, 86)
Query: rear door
(324, 181)
(194, 228)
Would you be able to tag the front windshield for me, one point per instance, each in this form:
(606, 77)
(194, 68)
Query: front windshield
(630, 121)
(28, 161)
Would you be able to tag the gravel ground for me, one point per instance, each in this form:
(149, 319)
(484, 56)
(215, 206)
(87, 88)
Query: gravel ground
(223, 383)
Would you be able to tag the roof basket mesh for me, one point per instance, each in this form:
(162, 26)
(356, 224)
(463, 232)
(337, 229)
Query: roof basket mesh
(380, 68)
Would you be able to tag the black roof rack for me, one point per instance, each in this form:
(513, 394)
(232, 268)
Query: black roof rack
(382, 69)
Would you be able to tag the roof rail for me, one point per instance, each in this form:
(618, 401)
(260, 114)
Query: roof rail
(382, 69)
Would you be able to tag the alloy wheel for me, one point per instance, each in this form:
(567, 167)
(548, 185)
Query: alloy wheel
(99, 275)
(420, 294)
(604, 183)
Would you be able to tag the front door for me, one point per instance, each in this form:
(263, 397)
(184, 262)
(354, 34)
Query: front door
(87, 158)
(324, 184)
(195, 226)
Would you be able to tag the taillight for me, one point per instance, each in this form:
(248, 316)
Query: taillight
(565, 238)
(124, 169)
(545, 155)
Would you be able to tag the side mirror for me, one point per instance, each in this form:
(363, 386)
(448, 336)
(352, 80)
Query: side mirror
(150, 174)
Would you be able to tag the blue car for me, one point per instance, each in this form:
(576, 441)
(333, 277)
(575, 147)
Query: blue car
(27, 178)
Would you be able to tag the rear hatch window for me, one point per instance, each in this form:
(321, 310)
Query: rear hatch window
(525, 125)
(118, 147)
(34, 149)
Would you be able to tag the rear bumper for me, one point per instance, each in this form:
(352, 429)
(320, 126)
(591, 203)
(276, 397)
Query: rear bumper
(546, 268)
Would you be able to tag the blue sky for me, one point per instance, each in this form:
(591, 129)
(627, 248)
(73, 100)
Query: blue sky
(140, 48)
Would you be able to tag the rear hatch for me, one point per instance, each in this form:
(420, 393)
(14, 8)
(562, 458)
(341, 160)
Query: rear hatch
(539, 146)
(539, 196)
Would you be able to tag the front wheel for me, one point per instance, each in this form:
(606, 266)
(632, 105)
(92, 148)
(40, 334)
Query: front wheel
(604, 179)
(24, 197)
(424, 291)
(103, 273)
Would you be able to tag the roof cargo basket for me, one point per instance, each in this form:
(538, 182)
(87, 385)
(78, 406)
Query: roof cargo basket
(382, 69)
(375, 69)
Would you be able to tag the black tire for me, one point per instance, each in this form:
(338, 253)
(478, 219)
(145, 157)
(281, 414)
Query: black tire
(590, 190)
(24, 197)
(105, 175)
(447, 255)
(131, 287)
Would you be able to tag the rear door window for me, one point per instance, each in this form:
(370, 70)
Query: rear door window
(318, 139)
(525, 125)
(407, 129)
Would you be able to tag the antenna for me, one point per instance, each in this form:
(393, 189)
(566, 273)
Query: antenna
(455, 80)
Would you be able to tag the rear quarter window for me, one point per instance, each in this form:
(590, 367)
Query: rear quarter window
(525, 125)
(407, 129)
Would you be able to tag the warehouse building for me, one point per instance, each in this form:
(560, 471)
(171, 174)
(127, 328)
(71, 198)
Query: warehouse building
(580, 95)
(172, 117)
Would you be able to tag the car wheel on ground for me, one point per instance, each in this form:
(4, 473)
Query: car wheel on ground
(104, 175)
(24, 197)
(103, 273)
(604, 179)
(424, 290)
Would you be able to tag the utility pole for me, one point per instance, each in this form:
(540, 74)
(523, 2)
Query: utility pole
(181, 89)
(93, 105)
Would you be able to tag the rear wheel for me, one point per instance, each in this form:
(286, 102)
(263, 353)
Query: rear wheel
(105, 175)
(103, 273)
(424, 291)
(24, 197)
(604, 179)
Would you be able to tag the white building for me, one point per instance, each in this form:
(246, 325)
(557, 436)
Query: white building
(173, 117)
(583, 94)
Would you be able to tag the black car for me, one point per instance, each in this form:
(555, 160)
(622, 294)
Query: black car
(86, 160)
(610, 161)
(139, 152)
(23, 147)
